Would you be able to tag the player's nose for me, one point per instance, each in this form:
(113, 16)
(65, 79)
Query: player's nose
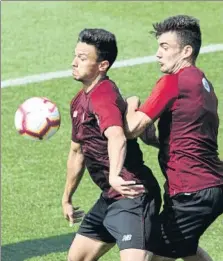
(158, 54)
(74, 62)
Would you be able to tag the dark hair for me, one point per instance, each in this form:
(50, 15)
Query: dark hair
(104, 42)
(187, 29)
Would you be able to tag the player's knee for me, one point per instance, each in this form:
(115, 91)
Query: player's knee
(77, 256)
(74, 256)
(134, 254)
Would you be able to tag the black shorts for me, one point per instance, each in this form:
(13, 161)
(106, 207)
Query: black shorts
(184, 218)
(126, 222)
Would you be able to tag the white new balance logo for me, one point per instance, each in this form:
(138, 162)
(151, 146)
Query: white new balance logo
(127, 238)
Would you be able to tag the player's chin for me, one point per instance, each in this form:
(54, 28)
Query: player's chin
(163, 69)
(76, 78)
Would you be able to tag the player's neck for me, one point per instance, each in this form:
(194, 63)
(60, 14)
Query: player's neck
(182, 65)
(88, 86)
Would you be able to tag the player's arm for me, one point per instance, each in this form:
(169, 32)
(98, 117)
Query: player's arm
(116, 149)
(136, 121)
(163, 95)
(75, 171)
(110, 120)
(148, 136)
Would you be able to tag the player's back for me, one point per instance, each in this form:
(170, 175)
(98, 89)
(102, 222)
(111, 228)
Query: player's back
(188, 135)
(92, 113)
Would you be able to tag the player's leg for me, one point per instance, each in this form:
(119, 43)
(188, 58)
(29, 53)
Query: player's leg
(92, 239)
(130, 222)
(134, 254)
(184, 219)
(201, 255)
(87, 249)
(154, 257)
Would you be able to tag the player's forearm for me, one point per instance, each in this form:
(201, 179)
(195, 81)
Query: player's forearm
(117, 153)
(134, 121)
(132, 125)
(135, 124)
(75, 171)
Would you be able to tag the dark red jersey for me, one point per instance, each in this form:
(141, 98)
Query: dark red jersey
(186, 106)
(92, 113)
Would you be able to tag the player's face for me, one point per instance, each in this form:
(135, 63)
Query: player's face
(85, 66)
(169, 53)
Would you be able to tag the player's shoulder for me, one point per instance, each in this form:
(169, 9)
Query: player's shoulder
(191, 73)
(191, 77)
(193, 80)
(168, 79)
(106, 86)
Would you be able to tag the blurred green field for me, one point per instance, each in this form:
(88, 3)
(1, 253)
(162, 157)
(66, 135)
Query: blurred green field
(39, 37)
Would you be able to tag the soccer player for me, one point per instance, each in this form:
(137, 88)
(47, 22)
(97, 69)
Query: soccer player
(185, 103)
(130, 199)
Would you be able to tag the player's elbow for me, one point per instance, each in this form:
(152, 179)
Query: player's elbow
(75, 160)
(115, 133)
(130, 134)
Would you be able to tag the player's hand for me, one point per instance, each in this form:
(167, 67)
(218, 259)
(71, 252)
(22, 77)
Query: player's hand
(72, 214)
(128, 189)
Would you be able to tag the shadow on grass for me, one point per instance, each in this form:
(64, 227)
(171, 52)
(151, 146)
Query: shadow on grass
(37, 247)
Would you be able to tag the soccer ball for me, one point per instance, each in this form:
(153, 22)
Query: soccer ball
(37, 118)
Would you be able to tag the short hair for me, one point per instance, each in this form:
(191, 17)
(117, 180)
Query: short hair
(187, 29)
(104, 42)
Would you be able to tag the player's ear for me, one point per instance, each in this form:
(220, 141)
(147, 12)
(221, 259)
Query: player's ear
(187, 51)
(103, 66)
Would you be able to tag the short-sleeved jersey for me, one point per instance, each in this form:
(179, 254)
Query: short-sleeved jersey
(186, 106)
(92, 113)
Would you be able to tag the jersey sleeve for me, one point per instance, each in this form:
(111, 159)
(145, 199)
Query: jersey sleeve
(74, 134)
(162, 97)
(106, 106)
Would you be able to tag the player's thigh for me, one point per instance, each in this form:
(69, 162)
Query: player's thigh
(142, 255)
(134, 254)
(184, 218)
(87, 249)
(92, 225)
(130, 221)
(201, 255)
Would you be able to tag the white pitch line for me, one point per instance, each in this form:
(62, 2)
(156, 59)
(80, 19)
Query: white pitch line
(125, 63)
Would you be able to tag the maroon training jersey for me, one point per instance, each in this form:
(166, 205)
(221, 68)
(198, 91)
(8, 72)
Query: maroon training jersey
(188, 129)
(92, 113)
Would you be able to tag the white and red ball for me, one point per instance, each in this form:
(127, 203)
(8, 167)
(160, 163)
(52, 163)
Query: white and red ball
(37, 118)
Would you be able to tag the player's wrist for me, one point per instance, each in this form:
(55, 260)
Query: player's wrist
(64, 203)
(133, 102)
(66, 200)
